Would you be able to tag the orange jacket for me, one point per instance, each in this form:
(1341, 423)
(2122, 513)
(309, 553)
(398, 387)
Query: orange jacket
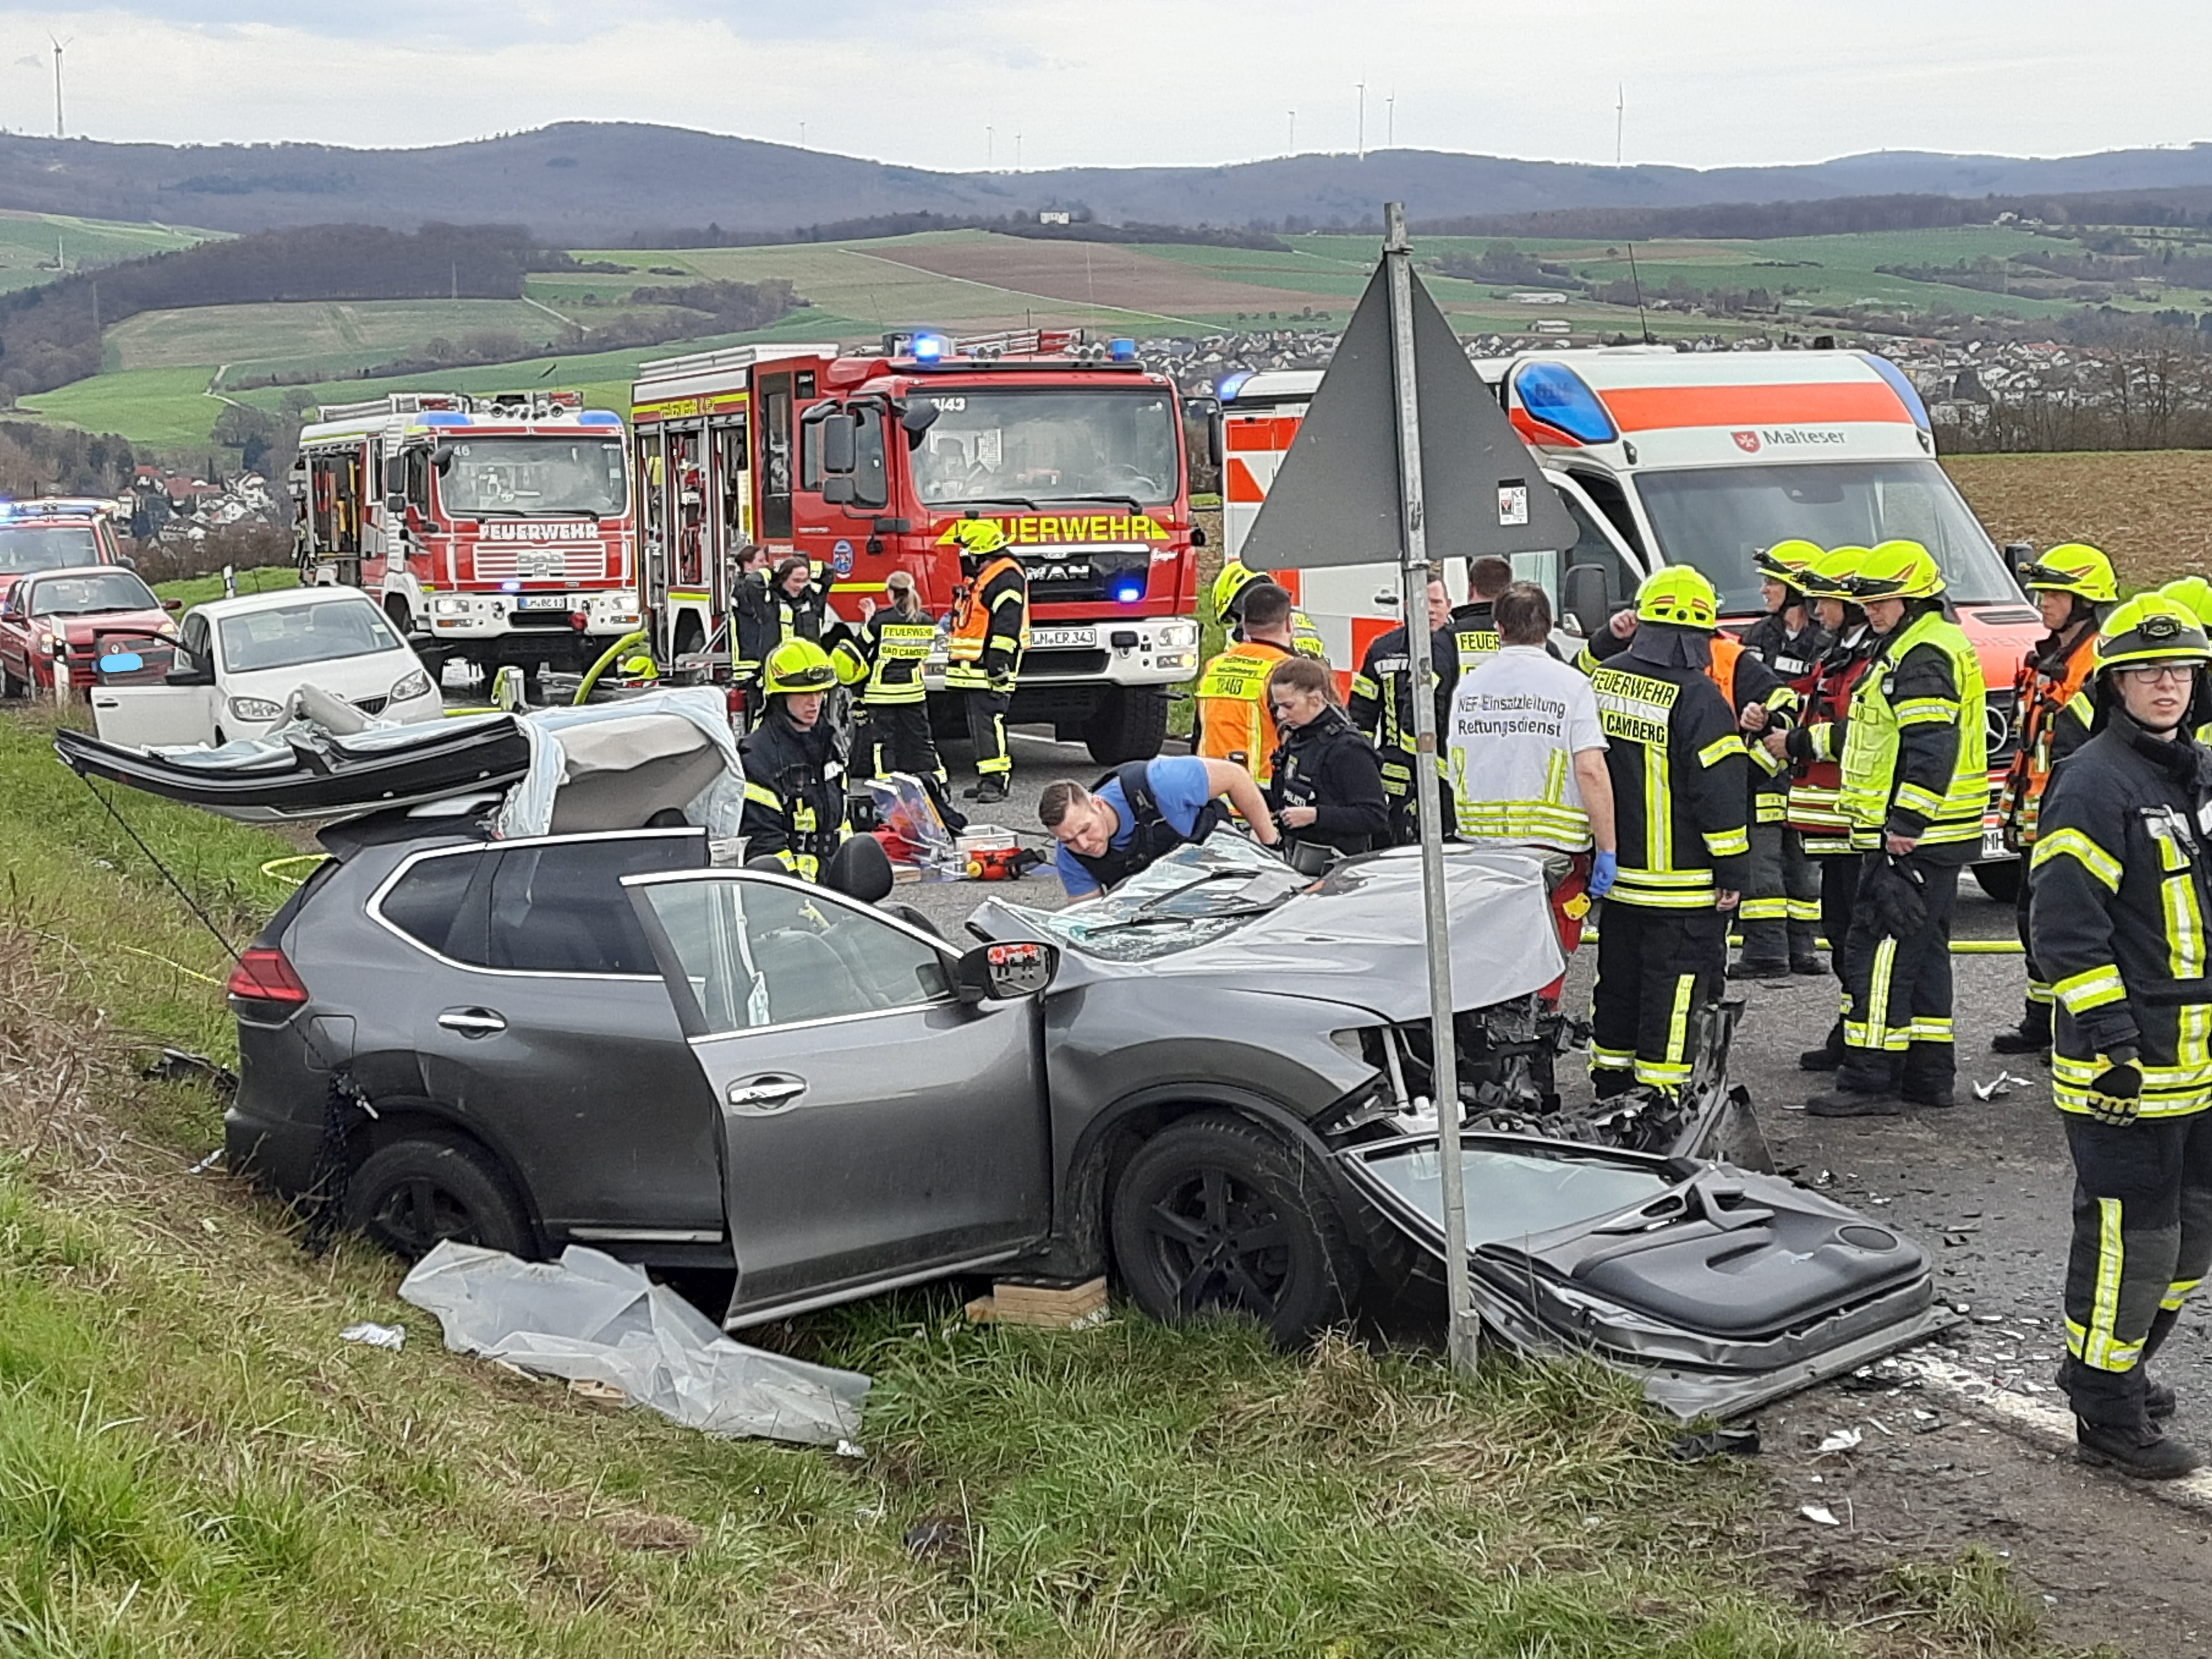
(1234, 720)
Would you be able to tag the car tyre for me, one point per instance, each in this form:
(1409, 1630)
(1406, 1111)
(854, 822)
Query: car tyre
(415, 1193)
(11, 689)
(2000, 881)
(1216, 1214)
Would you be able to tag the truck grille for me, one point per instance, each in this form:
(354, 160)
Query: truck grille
(2004, 731)
(571, 564)
(1081, 575)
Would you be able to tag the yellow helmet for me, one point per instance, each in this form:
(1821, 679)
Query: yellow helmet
(797, 665)
(979, 537)
(1787, 562)
(639, 667)
(1229, 587)
(1828, 577)
(1896, 570)
(2151, 628)
(2076, 567)
(1679, 594)
(2194, 594)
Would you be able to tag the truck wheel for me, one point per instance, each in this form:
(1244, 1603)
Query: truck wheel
(411, 1195)
(1217, 1215)
(2000, 881)
(1130, 724)
(398, 614)
(11, 688)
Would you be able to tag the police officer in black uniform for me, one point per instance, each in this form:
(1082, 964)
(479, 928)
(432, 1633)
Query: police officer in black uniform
(1325, 783)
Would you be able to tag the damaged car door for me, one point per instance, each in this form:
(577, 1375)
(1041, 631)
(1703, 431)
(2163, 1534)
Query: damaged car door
(878, 1127)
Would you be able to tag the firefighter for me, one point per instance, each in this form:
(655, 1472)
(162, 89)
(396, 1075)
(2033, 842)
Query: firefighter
(1233, 720)
(1791, 640)
(795, 811)
(1814, 747)
(755, 628)
(796, 602)
(1381, 706)
(1474, 624)
(890, 648)
(990, 631)
(2073, 586)
(2121, 881)
(1230, 587)
(1915, 785)
(1325, 784)
(2194, 595)
(1680, 790)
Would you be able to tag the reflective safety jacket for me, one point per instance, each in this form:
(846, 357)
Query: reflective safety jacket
(2119, 887)
(1794, 657)
(2054, 721)
(990, 629)
(1234, 720)
(892, 646)
(1744, 679)
(1382, 703)
(1305, 638)
(795, 808)
(1916, 743)
(1680, 785)
(1816, 744)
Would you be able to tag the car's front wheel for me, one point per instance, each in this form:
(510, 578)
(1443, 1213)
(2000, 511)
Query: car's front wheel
(414, 1195)
(1215, 1214)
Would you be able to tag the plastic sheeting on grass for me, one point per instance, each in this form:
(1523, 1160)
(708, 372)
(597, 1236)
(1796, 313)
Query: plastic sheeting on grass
(589, 1316)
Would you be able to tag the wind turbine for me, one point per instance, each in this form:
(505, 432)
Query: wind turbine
(58, 44)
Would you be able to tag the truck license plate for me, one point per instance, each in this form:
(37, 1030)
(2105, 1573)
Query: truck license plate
(1047, 638)
(543, 602)
(1993, 845)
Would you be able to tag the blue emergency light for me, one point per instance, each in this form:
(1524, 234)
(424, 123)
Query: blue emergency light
(1126, 589)
(510, 585)
(1231, 385)
(598, 417)
(928, 348)
(1122, 351)
(441, 417)
(1563, 400)
(1907, 394)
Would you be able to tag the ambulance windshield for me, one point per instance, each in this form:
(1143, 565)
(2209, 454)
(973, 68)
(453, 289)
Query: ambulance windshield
(503, 478)
(1003, 445)
(1717, 518)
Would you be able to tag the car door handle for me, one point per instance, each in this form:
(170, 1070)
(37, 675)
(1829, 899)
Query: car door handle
(472, 1022)
(772, 1093)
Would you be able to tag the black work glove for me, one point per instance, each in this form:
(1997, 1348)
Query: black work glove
(1894, 891)
(2116, 1094)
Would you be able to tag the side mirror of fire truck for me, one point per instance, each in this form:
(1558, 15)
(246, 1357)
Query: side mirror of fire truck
(840, 447)
(1588, 598)
(442, 459)
(395, 485)
(917, 417)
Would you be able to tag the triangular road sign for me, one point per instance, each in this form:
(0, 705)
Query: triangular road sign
(1334, 500)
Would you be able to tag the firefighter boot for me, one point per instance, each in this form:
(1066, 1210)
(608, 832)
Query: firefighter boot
(2031, 1036)
(2148, 1453)
(2159, 1401)
(988, 790)
(1828, 1056)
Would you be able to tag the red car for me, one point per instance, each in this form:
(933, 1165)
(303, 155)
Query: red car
(101, 619)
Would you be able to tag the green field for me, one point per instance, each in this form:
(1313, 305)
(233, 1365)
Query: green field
(31, 242)
(260, 339)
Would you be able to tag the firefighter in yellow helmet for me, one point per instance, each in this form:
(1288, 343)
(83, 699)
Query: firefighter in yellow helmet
(1915, 786)
(2121, 882)
(1682, 793)
(990, 632)
(1231, 587)
(1782, 908)
(2072, 586)
(795, 811)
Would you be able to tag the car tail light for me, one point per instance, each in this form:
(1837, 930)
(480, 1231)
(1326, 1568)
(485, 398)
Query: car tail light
(265, 974)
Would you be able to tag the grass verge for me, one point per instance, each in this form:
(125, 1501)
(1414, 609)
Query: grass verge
(191, 1463)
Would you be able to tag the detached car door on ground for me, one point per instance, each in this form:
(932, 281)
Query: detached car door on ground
(880, 1125)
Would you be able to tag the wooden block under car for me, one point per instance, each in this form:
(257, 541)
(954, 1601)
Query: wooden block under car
(1045, 1307)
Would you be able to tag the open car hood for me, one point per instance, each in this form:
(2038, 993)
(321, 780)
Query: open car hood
(604, 766)
(1722, 1289)
(1356, 936)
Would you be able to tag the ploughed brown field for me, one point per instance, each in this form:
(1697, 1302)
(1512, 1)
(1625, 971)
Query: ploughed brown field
(2150, 509)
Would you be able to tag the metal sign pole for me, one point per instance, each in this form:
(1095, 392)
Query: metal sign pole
(1461, 1340)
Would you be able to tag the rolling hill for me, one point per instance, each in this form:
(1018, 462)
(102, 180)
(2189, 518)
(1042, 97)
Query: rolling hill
(582, 181)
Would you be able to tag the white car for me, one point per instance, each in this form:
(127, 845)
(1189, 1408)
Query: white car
(239, 661)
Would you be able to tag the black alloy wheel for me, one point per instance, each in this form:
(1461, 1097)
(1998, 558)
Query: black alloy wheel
(412, 1195)
(1216, 1215)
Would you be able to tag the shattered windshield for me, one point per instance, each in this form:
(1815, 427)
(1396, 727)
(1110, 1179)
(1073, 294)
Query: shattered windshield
(1193, 896)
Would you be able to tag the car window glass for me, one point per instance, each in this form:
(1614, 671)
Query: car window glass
(426, 901)
(48, 547)
(560, 909)
(767, 953)
(195, 641)
(311, 631)
(86, 595)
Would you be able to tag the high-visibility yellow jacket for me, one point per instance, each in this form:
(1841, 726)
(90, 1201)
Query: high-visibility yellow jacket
(1916, 743)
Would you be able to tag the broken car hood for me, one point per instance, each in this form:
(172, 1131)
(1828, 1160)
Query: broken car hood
(1356, 936)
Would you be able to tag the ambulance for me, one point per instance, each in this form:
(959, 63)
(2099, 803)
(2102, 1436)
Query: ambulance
(1664, 457)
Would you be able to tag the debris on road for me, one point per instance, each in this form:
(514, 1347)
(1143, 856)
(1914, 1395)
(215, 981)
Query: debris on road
(590, 1316)
(1819, 1513)
(1047, 1307)
(181, 1065)
(1842, 1440)
(1714, 1443)
(1999, 1086)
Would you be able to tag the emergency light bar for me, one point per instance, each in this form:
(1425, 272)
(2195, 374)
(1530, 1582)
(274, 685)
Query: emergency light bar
(58, 507)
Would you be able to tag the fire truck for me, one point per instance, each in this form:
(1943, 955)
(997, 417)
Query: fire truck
(865, 462)
(497, 529)
(1664, 457)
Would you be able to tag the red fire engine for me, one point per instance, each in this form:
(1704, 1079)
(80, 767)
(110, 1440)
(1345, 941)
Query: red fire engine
(865, 462)
(500, 526)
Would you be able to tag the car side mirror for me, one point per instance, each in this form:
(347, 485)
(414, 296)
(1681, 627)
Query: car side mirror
(1587, 598)
(189, 676)
(2017, 554)
(173, 605)
(1001, 972)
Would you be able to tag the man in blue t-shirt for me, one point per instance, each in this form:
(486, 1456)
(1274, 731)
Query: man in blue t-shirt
(1142, 812)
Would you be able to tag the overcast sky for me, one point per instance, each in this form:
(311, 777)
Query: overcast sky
(1707, 82)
